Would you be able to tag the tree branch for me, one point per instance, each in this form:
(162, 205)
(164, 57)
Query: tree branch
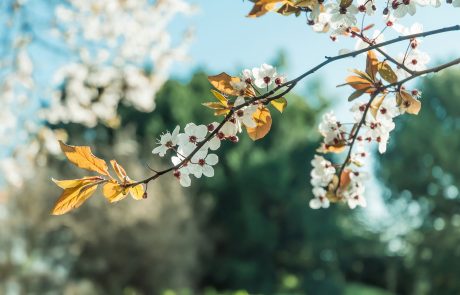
(272, 95)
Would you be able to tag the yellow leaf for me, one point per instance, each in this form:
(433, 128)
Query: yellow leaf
(119, 170)
(82, 157)
(214, 105)
(408, 102)
(279, 104)
(372, 64)
(222, 83)
(387, 73)
(71, 183)
(114, 192)
(263, 120)
(137, 192)
(74, 196)
(222, 99)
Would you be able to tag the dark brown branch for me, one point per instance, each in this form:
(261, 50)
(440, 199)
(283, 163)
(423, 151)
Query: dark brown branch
(272, 95)
(375, 94)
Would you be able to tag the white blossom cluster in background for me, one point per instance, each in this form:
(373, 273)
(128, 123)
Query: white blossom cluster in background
(182, 144)
(116, 51)
(120, 39)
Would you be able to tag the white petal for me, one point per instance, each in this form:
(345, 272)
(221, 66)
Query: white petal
(315, 203)
(201, 131)
(212, 159)
(214, 143)
(208, 171)
(185, 180)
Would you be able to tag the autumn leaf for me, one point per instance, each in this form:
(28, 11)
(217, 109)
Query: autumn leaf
(75, 193)
(345, 178)
(280, 104)
(345, 3)
(288, 9)
(408, 103)
(387, 73)
(113, 189)
(357, 93)
(375, 105)
(222, 83)
(372, 65)
(263, 120)
(222, 99)
(83, 158)
(261, 7)
(221, 107)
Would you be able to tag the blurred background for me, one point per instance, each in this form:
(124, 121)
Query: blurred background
(115, 74)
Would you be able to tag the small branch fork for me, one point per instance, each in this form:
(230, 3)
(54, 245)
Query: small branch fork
(289, 85)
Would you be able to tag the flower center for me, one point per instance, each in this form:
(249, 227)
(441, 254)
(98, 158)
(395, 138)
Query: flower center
(192, 138)
(176, 174)
(240, 113)
(201, 162)
(267, 79)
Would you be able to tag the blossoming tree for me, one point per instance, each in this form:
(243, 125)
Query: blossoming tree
(379, 93)
(105, 64)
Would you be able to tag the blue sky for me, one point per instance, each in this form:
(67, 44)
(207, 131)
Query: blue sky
(226, 40)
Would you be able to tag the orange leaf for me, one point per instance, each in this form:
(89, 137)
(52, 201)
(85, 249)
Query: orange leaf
(371, 64)
(83, 158)
(263, 120)
(345, 178)
(359, 83)
(75, 195)
(222, 83)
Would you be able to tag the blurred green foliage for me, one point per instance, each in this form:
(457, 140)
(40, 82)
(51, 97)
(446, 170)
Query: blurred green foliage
(422, 172)
(249, 229)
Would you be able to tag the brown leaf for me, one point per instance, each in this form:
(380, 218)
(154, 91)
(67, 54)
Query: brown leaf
(263, 120)
(345, 3)
(261, 7)
(387, 73)
(222, 83)
(75, 195)
(82, 157)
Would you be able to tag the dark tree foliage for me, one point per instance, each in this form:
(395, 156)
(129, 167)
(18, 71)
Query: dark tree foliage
(423, 173)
